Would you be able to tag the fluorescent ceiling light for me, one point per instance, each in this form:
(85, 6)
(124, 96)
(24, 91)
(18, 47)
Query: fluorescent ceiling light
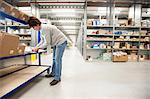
(66, 15)
(25, 8)
(101, 8)
(63, 10)
(68, 21)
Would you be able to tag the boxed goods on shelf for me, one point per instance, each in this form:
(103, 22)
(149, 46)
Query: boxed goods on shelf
(145, 39)
(103, 31)
(132, 57)
(120, 39)
(15, 12)
(107, 39)
(120, 57)
(127, 46)
(5, 7)
(20, 49)
(116, 45)
(24, 17)
(141, 46)
(8, 44)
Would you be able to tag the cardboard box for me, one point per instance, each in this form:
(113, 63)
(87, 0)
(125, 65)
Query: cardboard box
(5, 7)
(133, 57)
(8, 44)
(103, 31)
(122, 58)
(16, 13)
(24, 17)
(116, 45)
(20, 49)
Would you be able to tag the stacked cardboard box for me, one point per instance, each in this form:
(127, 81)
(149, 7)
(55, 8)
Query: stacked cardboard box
(120, 57)
(132, 57)
(103, 31)
(9, 45)
(5, 7)
(20, 49)
(9, 9)
(24, 17)
(16, 13)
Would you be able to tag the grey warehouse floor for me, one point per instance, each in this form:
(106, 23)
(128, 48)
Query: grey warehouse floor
(91, 80)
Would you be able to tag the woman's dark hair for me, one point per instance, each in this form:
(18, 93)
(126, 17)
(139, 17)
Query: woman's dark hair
(33, 21)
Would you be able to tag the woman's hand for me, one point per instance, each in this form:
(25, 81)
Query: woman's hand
(35, 49)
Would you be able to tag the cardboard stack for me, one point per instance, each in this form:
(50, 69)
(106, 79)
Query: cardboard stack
(120, 57)
(133, 57)
(9, 45)
(9, 9)
(5, 7)
(24, 17)
(15, 12)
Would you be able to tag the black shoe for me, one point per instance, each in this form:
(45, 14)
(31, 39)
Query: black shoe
(54, 82)
(49, 75)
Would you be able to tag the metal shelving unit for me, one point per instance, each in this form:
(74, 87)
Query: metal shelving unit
(19, 77)
(12, 18)
(94, 38)
(15, 23)
(17, 71)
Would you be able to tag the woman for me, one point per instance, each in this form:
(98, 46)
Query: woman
(53, 37)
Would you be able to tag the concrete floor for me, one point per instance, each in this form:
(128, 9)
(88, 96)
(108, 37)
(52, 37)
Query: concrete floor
(92, 80)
